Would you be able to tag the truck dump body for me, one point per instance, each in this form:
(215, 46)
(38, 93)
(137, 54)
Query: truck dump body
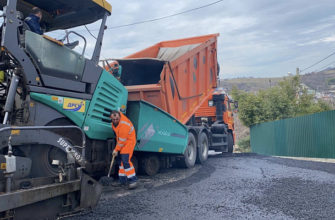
(177, 76)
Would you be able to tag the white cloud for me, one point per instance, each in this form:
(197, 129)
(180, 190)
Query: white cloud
(329, 39)
(318, 28)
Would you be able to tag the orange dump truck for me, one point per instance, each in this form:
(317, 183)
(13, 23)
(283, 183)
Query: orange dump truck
(179, 77)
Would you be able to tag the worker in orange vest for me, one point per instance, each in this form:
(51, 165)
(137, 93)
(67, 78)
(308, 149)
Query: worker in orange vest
(125, 144)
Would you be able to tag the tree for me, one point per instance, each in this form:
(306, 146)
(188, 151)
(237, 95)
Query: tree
(288, 99)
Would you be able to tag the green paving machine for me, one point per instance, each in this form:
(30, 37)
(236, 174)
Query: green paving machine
(56, 138)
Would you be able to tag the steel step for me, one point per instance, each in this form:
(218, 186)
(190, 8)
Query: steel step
(219, 135)
(219, 147)
(219, 144)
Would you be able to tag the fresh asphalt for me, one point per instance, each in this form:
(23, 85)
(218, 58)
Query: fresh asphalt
(236, 186)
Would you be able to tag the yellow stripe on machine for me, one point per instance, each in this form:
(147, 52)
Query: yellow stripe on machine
(104, 4)
(3, 166)
(2, 76)
(15, 132)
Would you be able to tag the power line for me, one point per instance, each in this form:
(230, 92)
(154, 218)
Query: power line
(318, 62)
(156, 19)
(163, 17)
(90, 32)
(325, 66)
(167, 16)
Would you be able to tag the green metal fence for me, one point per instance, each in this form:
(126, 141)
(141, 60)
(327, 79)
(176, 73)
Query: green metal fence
(305, 136)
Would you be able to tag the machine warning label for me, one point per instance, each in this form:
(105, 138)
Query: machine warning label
(75, 105)
(3, 166)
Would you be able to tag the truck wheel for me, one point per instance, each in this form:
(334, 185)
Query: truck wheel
(150, 165)
(203, 147)
(190, 154)
(230, 143)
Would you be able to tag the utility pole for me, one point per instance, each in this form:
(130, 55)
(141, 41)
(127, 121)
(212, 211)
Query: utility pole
(297, 71)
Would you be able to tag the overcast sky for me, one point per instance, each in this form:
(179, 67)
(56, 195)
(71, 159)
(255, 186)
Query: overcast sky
(258, 38)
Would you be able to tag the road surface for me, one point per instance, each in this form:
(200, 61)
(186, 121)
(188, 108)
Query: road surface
(237, 186)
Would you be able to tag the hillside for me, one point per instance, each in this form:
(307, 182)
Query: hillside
(249, 84)
(323, 81)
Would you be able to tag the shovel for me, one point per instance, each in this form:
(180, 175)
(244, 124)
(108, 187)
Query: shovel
(107, 180)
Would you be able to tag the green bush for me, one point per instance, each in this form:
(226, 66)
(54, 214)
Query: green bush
(244, 144)
(288, 99)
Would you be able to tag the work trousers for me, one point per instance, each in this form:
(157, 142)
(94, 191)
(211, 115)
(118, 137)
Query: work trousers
(126, 169)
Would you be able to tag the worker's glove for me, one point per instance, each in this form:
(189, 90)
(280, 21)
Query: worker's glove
(115, 153)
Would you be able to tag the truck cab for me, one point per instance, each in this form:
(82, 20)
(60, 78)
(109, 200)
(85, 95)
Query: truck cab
(218, 106)
(218, 109)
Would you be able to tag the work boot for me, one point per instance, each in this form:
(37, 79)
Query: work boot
(118, 184)
(132, 185)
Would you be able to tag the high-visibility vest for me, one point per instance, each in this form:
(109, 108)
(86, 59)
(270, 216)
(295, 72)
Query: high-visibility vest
(125, 134)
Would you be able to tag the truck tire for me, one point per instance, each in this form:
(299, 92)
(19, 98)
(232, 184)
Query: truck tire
(202, 148)
(150, 165)
(190, 154)
(230, 143)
